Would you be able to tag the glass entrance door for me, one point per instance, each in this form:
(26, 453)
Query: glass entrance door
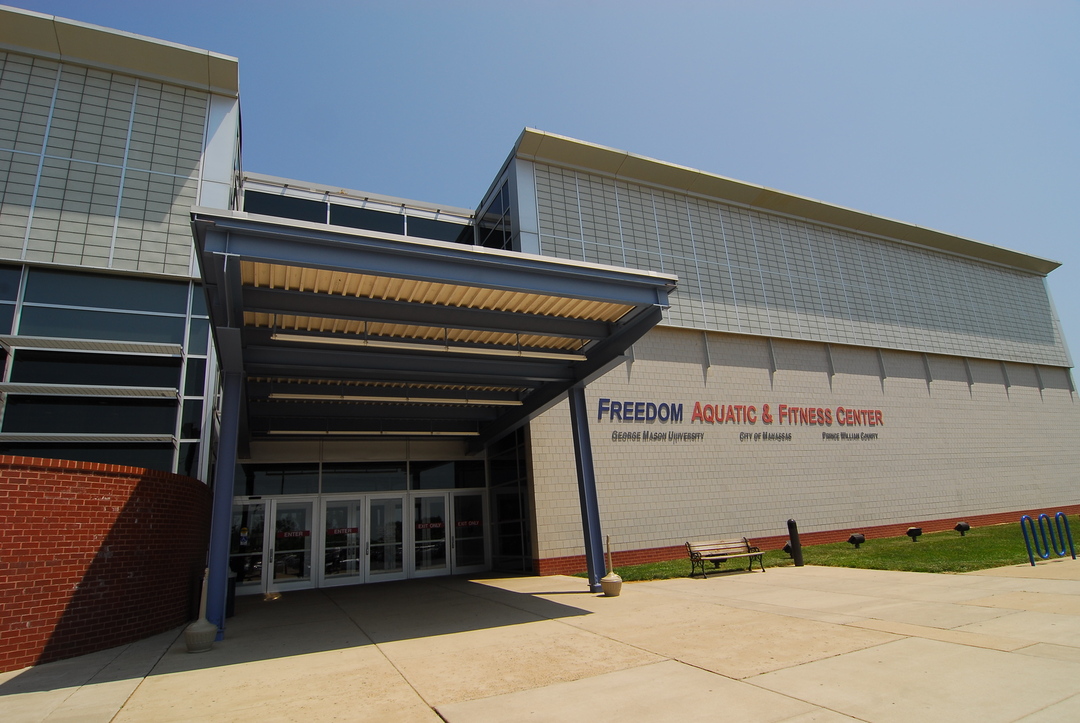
(430, 525)
(386, 541)
(290, 545)
(246, 543)
(469, 536)
(343, 525)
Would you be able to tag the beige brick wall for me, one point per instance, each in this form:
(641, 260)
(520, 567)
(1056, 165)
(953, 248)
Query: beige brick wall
(950, 444)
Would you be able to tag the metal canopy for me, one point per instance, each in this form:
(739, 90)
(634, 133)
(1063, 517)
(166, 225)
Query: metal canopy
(347, 334)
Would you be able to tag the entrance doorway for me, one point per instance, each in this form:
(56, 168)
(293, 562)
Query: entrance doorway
(291, 543)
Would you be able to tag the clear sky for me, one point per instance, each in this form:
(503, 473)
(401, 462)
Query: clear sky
(959, 116)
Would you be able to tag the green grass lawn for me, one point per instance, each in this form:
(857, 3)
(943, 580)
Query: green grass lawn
(980, 548)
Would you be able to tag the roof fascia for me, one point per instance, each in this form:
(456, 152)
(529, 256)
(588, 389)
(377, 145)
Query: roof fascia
(93, 46)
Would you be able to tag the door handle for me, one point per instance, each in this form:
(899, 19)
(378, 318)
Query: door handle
(367, 548)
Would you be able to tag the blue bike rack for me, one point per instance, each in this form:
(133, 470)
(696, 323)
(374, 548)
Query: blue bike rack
(1061, 521)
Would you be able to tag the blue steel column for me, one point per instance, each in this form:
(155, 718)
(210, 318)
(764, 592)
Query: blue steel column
(221, 516)
(590, 508)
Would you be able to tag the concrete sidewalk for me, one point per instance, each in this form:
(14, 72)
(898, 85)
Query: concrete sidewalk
(792, 644)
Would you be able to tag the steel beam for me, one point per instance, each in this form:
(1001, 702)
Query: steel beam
(418, 394)
(590, 506)
(290, 360)
(221, 513)
(315, 246)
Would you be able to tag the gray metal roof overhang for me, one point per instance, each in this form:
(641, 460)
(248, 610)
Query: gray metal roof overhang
(346, 334)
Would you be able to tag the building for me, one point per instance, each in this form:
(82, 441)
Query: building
(376, 388)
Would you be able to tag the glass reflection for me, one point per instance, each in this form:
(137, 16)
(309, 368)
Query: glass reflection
(429, 518)
(292, 544)
(468, 530)
(342, 548)
(246, 543)
(385, 537)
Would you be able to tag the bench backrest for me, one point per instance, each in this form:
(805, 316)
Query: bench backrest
(719, 547)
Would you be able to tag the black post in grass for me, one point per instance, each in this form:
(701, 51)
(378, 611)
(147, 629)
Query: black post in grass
(796, 544)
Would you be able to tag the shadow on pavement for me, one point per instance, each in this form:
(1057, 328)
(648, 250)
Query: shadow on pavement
(311, 621)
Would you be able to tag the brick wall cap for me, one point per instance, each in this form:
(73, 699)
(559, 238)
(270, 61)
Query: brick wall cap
(69, 465)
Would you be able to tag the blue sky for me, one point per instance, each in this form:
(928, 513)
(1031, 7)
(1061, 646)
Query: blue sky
(958, 116)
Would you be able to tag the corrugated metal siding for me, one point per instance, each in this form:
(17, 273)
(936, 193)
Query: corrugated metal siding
(321, 281)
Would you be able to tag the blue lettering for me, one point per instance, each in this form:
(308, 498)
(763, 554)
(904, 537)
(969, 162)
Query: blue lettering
(634, 411)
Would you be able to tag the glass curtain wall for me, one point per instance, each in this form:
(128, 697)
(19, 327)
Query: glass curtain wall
(117, 365)
(510, 511)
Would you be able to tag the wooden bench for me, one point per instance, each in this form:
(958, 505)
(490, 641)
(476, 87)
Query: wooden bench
(716, 551)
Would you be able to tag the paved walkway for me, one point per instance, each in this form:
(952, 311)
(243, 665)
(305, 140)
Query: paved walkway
(803, 645)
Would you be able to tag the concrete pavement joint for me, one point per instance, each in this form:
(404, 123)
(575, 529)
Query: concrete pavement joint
(382, 652)
(164, 651)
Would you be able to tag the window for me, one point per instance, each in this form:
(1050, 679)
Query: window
(446, 475)
(106, 292)
(78, 324)
(363, 476)
(276, 479)
(440, 230)
(154, 455)
(495, 222)
(89, 415)
(270, 204)
(9, 282)
(100, 369)
(367, 219)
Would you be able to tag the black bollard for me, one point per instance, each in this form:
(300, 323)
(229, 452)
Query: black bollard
(796, 545)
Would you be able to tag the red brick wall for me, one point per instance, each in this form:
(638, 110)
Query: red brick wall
(576, 563)
(94, 555)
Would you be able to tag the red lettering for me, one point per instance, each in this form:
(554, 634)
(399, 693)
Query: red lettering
(877, 415)
(782, 414)
(696, 415)
(751, 415)
(707, 414)
(828, 417)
